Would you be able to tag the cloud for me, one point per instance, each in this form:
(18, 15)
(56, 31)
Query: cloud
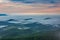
(4, 1)
(29, 8)
(3, 26)
(24, 28)
(37, 1)
(23, 8)
(31, 1)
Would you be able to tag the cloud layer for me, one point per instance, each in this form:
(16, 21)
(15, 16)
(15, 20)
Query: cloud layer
(36, 1)
(32, 1)
(4, 1)
(23, 6)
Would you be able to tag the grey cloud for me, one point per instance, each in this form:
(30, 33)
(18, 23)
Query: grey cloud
(37, 1)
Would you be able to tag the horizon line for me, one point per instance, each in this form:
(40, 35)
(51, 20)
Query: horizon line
(31, 13)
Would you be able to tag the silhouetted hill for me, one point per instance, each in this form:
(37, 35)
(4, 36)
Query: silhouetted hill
(11, 20)
(28, 19)
(47, 18)
(3, 14)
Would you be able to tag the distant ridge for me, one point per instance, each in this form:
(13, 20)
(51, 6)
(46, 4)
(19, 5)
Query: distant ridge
(3, 14)
(12, 20)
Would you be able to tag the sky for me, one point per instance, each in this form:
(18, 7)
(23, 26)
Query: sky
(30, 7)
